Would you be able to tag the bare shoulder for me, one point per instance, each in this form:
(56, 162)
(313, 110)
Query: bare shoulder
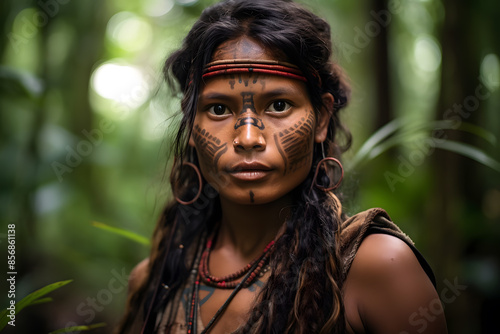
(138, 274)
(387, 291)
(381, 255)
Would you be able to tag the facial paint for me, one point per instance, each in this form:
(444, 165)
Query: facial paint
(294, 143)
(248, 105)
(209, 145)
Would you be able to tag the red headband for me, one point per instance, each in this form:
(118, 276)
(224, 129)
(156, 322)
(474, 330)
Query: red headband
(275, 67)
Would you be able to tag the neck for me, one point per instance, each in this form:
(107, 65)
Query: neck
(247, 229)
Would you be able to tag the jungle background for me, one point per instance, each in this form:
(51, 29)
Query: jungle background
(86, 124)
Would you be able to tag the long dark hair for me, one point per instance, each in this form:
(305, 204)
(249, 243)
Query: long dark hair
(303, 292)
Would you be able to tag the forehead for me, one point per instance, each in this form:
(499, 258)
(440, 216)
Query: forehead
(242, 48)
(254, 64)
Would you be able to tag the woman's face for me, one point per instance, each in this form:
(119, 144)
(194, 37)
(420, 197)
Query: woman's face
(254, 133)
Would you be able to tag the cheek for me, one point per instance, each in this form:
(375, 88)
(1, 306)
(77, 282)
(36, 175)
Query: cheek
(209, 148)
(295, 144)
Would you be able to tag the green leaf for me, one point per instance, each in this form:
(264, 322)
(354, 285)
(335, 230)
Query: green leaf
(401, 131)
(379, 136)
(78, 328)
(479, 131)
(42, 301)
(32, 299)
(470, 152)
(124, 233)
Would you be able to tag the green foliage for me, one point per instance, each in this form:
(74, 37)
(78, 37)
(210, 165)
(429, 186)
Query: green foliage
(33, 298)
(404, 132)
(124, 233)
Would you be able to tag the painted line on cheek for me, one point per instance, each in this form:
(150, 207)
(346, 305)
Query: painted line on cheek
(210, 146)
(281, 152)
(291, 141)
(218, 155)
(291, 145)
(298, 151)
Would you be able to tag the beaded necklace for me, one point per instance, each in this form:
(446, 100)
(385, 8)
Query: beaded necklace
(231, 281)
(250, 272)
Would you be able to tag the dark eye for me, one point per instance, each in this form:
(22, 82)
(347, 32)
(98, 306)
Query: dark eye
(218, 109)
(279, 106)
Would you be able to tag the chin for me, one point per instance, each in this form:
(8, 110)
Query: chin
(253, 197)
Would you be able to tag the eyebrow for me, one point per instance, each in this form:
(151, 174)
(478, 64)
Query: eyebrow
(278, 92)
(216, 96)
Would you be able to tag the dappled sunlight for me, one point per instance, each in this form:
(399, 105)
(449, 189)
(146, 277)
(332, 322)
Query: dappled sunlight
(490, 71)
(155, 123)
(129, 31)
(157, 8)
(427, 54)
(124, 85)
(23, 40)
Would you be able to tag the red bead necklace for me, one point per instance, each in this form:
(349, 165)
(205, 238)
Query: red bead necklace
(232, 280)
(248, 274)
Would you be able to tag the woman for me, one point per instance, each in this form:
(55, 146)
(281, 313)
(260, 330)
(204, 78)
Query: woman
(256, 241)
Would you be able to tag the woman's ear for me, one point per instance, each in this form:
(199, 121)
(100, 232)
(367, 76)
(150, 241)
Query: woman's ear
(324, 116)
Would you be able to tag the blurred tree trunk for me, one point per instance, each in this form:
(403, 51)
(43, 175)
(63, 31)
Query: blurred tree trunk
(89, 22)
(381, 65)
(5, 12)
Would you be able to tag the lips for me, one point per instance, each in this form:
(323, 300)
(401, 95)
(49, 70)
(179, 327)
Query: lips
(249, 171)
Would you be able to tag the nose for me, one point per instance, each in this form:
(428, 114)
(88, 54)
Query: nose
(249, 134)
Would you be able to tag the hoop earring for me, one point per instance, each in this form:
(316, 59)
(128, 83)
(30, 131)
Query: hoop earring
(193, 166)
(326, 189)
(325, 160)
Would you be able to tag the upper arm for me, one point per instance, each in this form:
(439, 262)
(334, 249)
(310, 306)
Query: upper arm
(387, 291)
(138, 275)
